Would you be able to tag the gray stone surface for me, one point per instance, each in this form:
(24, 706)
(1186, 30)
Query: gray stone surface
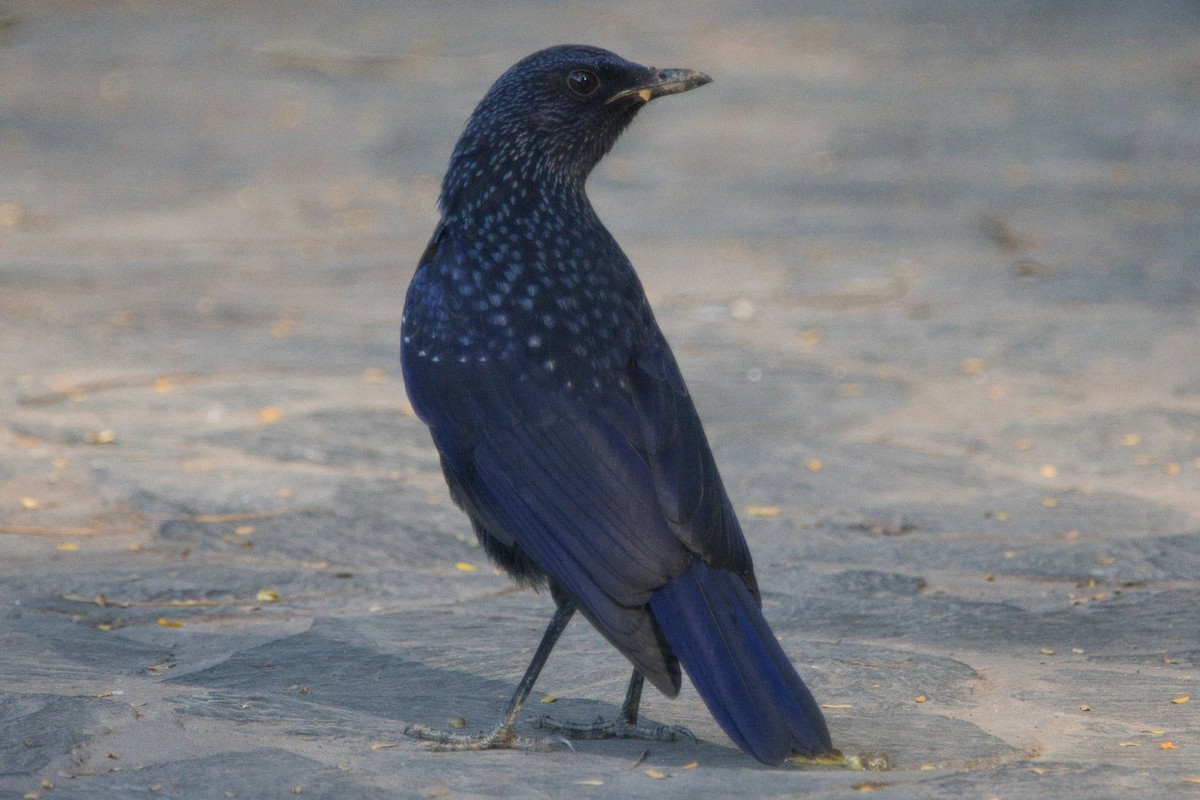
(932, 270)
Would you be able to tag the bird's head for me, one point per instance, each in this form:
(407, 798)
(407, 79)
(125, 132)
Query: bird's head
(551, 117)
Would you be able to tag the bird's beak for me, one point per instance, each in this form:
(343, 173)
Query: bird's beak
(663, 81)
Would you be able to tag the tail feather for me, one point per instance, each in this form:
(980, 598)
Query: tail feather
(716, 629)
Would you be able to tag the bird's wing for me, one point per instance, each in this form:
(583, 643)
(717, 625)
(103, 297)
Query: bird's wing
(567, 490)
(611, 495)
(566, 485)
(690, 492)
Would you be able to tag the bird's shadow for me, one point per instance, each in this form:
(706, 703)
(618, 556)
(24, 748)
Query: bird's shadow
(323, 681)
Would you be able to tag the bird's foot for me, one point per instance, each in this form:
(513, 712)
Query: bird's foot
(868, 762)
(615, 729)
(502, 737)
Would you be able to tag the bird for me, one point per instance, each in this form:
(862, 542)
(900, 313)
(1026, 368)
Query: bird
(563, 424)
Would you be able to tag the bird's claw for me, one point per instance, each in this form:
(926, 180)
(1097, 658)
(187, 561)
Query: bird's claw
(499, 738)
(867, 762)
(615, 729)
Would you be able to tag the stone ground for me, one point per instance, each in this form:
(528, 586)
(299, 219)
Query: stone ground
(932, 270)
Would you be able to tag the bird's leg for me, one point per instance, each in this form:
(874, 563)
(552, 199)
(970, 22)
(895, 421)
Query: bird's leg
(625, 726)
(504, 735)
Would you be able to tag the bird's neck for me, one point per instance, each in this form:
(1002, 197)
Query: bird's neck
(513, 176)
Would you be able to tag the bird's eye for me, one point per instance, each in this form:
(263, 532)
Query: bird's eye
(583, 82)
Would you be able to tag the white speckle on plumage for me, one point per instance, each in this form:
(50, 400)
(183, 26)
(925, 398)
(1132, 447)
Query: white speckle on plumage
(527, 270)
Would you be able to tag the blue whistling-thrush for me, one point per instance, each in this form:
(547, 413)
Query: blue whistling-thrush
(565, 429)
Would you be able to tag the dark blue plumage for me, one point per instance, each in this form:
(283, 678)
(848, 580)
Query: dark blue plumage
(564, 426)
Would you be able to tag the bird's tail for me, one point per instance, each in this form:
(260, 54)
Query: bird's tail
(716, 629)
